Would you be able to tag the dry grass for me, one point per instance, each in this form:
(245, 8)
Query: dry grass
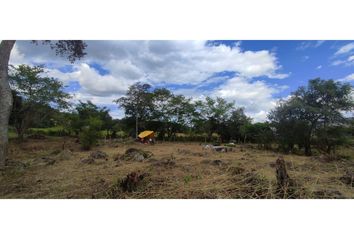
(244, 173)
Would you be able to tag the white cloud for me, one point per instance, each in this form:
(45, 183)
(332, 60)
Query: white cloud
(338, 62)
(256, 97)
(345, 49)
(160, 62)
(99, 85)
(350, 77)
(319, 67)
(176, 62)
(309, 44)
(99, 100)
(305, 58)
(351, 58)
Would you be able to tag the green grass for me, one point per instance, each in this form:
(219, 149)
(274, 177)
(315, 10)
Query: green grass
(12, 133)
(51, 131)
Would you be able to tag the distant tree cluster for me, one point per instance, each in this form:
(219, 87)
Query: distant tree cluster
(313, 116)
(168, 114)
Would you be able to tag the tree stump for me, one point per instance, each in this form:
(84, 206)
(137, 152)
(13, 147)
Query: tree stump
(131, 181)
(283, 179)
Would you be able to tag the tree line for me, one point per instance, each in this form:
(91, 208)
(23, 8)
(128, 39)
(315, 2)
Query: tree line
(313, 116)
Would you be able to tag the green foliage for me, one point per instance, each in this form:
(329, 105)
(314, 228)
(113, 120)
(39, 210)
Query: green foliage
(313, 112)
(187, 179)
(90, 133)
(260, 133)
(36, 97)
(88, 114)
(51, 131)
(138, 102)
(211, 115)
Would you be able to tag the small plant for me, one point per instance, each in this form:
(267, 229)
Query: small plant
(187, 179)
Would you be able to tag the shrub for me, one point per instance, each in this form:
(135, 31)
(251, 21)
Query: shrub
(90, 133)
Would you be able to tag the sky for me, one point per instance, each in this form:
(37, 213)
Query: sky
(254, 74)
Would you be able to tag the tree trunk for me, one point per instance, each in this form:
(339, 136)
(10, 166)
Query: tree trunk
(136, 127)
(307, 144)
(308, 151)
(5, 97)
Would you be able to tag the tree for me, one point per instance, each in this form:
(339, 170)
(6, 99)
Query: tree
(211, 115)
(320, 105)
(88, 120)
(235, 124)
(84, 111)
(161, 112)
(137, 103)
(33, 93)
(73, 50)
(89, 133)
(290, 129)
(171, 112)
(260, 133)
(180, 112)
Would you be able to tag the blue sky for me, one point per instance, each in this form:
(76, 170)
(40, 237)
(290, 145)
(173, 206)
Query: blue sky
(254, 74)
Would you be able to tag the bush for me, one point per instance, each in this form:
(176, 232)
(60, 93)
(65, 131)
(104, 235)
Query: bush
(88, 137)
(89, 134)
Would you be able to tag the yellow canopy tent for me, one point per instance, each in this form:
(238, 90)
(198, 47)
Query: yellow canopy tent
(145, 134)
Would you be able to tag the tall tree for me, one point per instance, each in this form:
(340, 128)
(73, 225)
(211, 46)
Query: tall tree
(319, 105)
(212, 114)
(235, 124)
(36, 92)
(172, 112)
(5, 97)
(161, 99)
(72, 49)
(137, 103)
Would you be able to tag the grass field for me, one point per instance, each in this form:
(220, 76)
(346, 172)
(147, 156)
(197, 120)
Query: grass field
(176, 170)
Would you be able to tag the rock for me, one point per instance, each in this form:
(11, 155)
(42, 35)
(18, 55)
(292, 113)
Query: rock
(99, 155)
(136, 155)
(94, 156)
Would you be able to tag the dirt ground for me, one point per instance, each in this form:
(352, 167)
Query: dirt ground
(40, 169)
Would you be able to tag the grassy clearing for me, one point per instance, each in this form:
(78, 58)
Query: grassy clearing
(244, 173)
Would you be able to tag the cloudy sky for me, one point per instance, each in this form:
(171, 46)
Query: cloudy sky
(254, 74)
